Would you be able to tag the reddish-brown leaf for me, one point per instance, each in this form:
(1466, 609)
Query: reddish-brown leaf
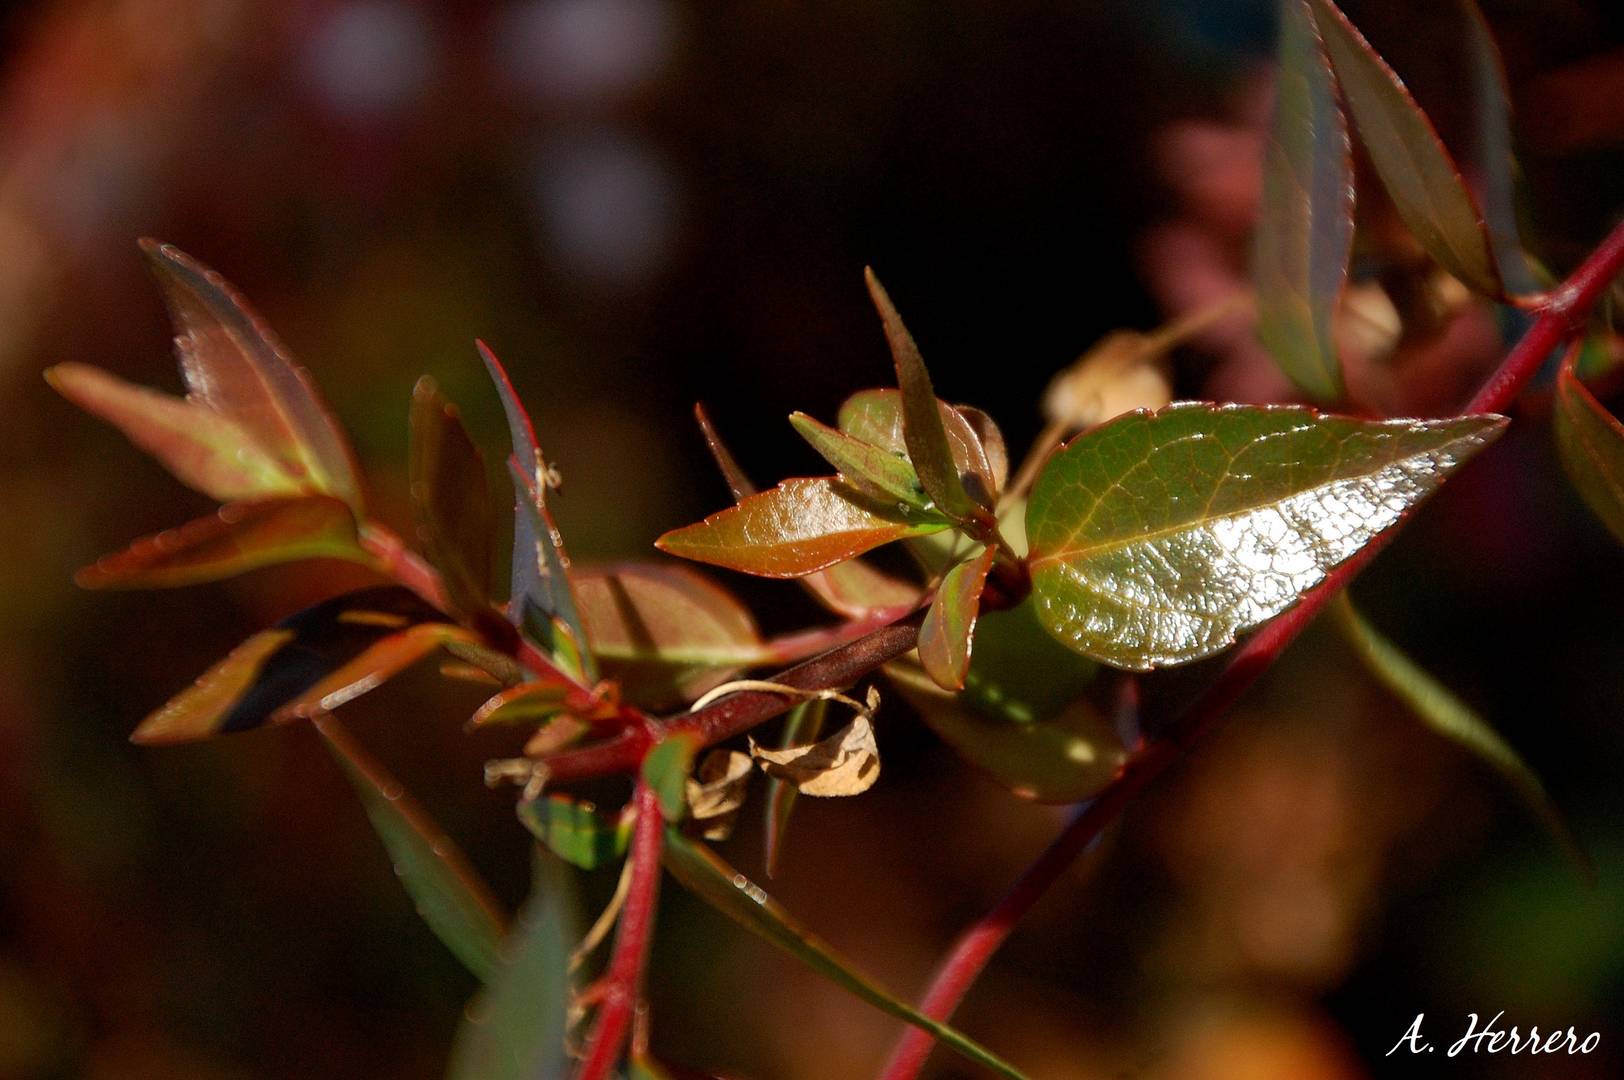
(451, 499)
(946, 634)
(875, 416)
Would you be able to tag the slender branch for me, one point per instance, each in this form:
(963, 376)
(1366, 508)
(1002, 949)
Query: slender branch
(1564, 311)
(622, 985)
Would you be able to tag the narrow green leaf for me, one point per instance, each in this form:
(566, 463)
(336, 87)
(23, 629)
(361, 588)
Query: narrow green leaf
(237, 538)
(875, 472)
(664, 632)
(1305, 231)
(574, 831)
(922, 429)
(945, 636)
(451, 499)
(203, 449)
(704, 874)
(234, 365)
(803, 725)
(1418, 172)
(449, 895)
(666, 769)
(798, 527)
(876, 417)
(318, 658)
(1157, 538)
(1591, 443)
(1436, 706)
(515, 1029)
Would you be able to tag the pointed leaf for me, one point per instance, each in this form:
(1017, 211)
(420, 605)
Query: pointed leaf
(203, 449)
(527, 703)
(1591, 443)
(1418, 172)
(664, 632)
(800, 526)
(1491, 149)
(945, 636)
(704, 874)
(451, 499)
(666, 768)
(337, 650)
(235, 366)
(236, 538)
(452, 899)
(877, 473)
(922, 429)
(846, 763)
(574, 831)
(516, 1028)
(1157, 538)
(803, 725)
(1436, 706)
(1305, 232)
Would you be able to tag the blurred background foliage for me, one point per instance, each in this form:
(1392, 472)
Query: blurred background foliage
(642, 203)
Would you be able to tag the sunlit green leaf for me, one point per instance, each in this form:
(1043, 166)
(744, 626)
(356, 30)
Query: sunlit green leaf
(451, 499)
(1436, 706)
(1305, 231)
(800, 526)
(874, 471)
(318, 658)
(876, 417)
(730, 892)
(449, 895)
(574, 831)
(202, 448)
(1157, 538)
(236, 367)
(804, 724)
(515, 1029)
(945, 636)
(666, 768)
(1591, 443)
(236, 538)
(1418, 172)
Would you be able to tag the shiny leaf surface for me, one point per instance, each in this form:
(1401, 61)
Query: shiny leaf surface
(704, 874)
(800, 526)
(803, 725)
(1305, 231)
(876, 417)
(1591, 443)
(946, 635)
(450, 897)
(234, 365)
(1157, 538)
(875, 472)
(1418, 172)
(574, 831)
(236, 538)
(515, 1029)
(451, 499)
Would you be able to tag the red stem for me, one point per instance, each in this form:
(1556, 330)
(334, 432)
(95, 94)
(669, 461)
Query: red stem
(622, 984)
(1561, 313)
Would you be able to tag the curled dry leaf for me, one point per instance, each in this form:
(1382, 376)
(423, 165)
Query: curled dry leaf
(717, 790)
(846, 763)
(1122, 372)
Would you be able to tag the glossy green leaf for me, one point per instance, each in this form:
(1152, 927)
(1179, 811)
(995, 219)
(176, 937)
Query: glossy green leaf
(336, 650)
(203, 449)
(1305, 231)
(1418, 172)
(235, 366)
(1436, 706)
(800, 526)
(452, 899)
(515, 1029)
(574, 831)
(851, 588)
(236, 538)
(922, 428)
(875, 472)
(1158, 537)
(664, 632)
(541, 597)
(876, 417)
(451, 499)
(1019, 673)
(1591, 443)
(666, 768)
(803, 725)
(730, 892)
(945, 636)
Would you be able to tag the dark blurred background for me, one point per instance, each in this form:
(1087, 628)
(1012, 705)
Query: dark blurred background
(643, 203)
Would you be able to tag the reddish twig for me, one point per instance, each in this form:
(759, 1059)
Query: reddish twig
(621, 987)
(1562, 312)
